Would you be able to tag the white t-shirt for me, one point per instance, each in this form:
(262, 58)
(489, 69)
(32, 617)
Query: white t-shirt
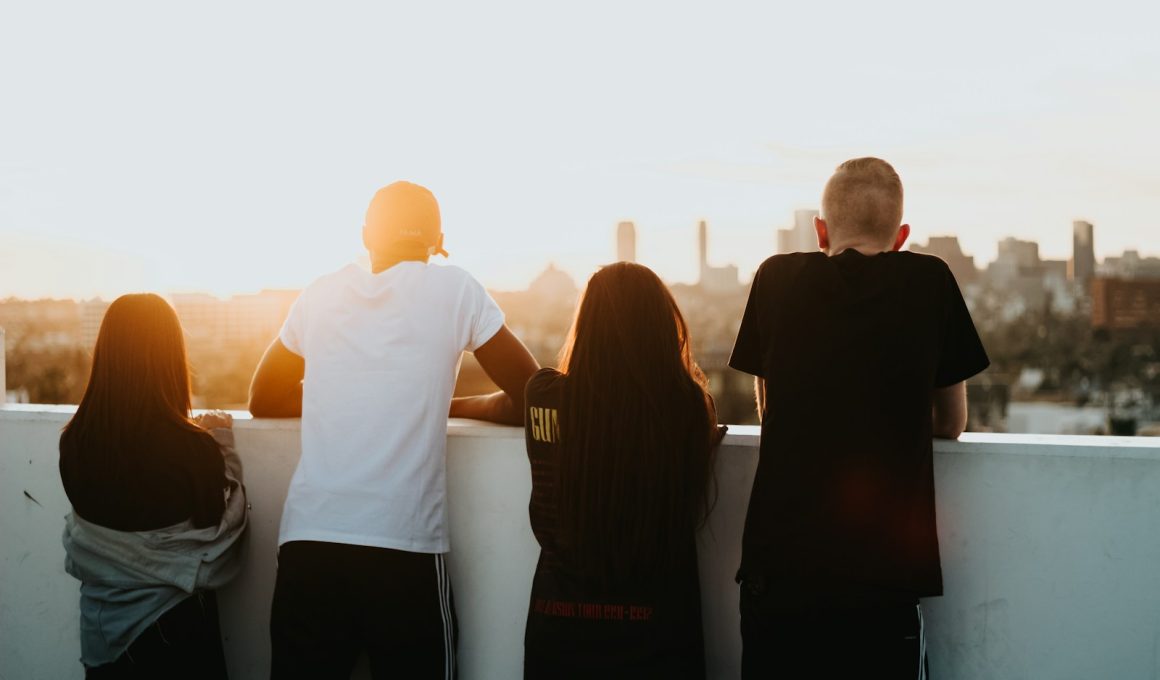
(382, 354)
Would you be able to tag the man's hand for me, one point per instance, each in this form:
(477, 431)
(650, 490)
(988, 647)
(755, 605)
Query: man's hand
(509, 365)
(276, 391)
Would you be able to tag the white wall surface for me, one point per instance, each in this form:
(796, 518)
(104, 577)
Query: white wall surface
(3, 370)
(1051, 553)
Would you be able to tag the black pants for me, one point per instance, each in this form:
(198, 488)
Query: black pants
(185, 643)
(879, 640)
(333, 601)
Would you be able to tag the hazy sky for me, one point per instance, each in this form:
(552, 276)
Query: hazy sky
(234, 146)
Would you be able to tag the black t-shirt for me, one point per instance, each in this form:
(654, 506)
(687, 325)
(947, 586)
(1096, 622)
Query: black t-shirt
(851, 348)
(653, 630)
(168, 475)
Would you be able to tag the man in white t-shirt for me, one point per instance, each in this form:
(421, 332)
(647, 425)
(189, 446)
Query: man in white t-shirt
(368, 359)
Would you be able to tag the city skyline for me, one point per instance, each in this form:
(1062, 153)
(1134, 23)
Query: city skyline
(720, 276)
(111, 273)
(1102, 311)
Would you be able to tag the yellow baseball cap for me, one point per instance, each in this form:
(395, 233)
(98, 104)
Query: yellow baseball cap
(405, 214)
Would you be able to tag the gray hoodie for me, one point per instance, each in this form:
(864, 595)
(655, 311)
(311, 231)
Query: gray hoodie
(130, 578)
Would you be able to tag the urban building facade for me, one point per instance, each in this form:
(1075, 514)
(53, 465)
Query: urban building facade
(1125, 304)
(801, 237)
(950, 251)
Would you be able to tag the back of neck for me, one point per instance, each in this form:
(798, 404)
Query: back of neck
(381, 263)
(864, 248)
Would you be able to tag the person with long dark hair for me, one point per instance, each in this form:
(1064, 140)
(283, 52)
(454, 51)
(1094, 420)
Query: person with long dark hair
(158, 505)
(620, 441)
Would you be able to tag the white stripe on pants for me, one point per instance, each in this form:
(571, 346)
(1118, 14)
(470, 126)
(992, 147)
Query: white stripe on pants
(445, 609)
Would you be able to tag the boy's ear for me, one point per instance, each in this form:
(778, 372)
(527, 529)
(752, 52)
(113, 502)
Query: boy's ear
(823, 233)
(903, 234)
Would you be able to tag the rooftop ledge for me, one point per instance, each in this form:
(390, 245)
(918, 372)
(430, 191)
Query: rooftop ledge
(1049, 546)
(738, 435)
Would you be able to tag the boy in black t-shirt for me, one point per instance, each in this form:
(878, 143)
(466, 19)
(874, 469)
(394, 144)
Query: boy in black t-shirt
(860, 354)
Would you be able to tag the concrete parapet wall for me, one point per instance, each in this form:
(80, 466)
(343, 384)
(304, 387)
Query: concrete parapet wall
(1051, 553)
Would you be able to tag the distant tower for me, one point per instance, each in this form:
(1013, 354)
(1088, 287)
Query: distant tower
(703, 247)
(1083, 254)
(626, 242)
(714, 280)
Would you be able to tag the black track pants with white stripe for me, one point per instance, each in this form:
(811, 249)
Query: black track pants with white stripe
(334, 601)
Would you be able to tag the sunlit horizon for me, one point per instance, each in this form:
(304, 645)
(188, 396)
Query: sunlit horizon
(579, 275)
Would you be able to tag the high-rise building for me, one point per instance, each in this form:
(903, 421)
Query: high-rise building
(1083, 254)
(626, 242)
(801, 237)
(1016, 259)
(948, 248)
(1019, 254)
(1019, 271)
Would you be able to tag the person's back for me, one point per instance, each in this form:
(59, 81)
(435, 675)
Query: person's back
(167, 474)
(853, 347)
(369, 359)
(579, 629)
(382, 353)
(157, 503)
(619, 442)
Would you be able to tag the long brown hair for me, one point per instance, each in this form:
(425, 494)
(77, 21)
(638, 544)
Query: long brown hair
(636, 431)
(140, 376)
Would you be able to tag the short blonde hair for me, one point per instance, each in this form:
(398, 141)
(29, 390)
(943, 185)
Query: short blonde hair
(863, 197)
